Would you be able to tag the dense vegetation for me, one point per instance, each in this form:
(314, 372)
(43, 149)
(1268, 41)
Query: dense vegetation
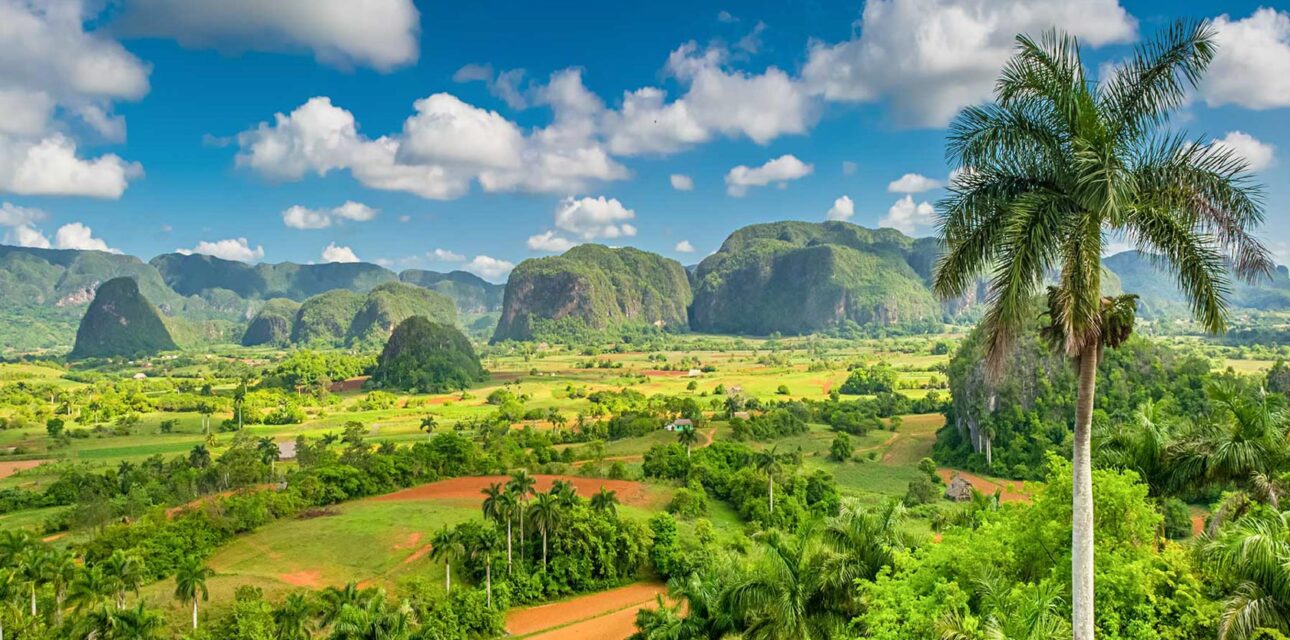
(427, 356)
(591, 288)
(121, 322)
(344, 318)
(471, 294)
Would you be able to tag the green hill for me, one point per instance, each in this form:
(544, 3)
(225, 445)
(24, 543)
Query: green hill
(121, 322)
(423, 356)
(799, 277)
(471, 293)
(344, 318)
(197, 275)
(1160, 295)
(593, 287)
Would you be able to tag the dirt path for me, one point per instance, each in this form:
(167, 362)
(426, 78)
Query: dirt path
(9, 468)
(608, 615)
(471, 488)
(1012, 490)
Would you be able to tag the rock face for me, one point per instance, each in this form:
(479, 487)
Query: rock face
(593, 287)
(471, 293)
(344, 318)
(121, 322)
(799, 277)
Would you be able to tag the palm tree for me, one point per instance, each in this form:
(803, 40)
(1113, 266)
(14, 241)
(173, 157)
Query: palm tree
(565, 493)
(1253, 555)
(687, 436)
(190, 581)
(62, 571)
(447, 546)
(123, 572)
(1057, 162)
(499, 505)
(6, 580)
(484, 545)
(291, 618)
(784, 595)
(33, 565)
(863, 541)
(521, 486)
(335, 599)
(373, 620)
(768, 461)
(239, 401)
(1036, 617)
(138, 623)
(89, 589)
(545, 514)
(705, 613)
(1144, 446)
(605, 500)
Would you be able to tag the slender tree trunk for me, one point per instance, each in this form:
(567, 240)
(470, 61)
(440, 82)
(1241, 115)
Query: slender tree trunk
(770, 483)
(989, 451)
(521, 532)
(447, 577)
(543, 547)
(33, 599)
(194, 613)
(508, 545)
(488, 580)
(1082, 499)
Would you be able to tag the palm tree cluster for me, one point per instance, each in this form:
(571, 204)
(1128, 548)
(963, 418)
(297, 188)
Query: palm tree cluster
(799, 586)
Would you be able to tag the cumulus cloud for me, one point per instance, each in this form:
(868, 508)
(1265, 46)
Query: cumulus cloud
(595, 218)
(1258, 155)
(681, 182)
(843, 208)
(929, 58)
(51, 167)
(1251, 67)
(489, 268)
(684, 246)
(298, 217)
(12, 215)
(907, 217)
(912, 183)
(79, 236)
(25, 235)
(717, 101)
(549, 241)
(334, 253)
(447, 131)
(780, 170)
(382, 34)
(444, 255)
(229, 249)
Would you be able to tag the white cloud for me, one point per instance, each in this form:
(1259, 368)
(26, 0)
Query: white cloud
(726, 17)
(51, 167)
(447, 131)
(382, 34)
(684, 246)
(26, 236)
(230, 249)
(504, 85)
(549, 241)
(849, 168)
(929, 58)
(12, 215)
(594, 218)
(489, 268)
(681, 182)
(907, 217)
(79, 236)
(912, 183)
(843, 208)
(444, 255)
(1258, 155)
(782, 169)
(1251, 66)
(298, 217)
(334, 253)
(718, 100)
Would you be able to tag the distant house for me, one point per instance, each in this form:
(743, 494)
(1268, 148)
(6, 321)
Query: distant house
(287, 450)
(742, 415)
(959, 489)
(679, 424)
(141, 376)
(694, 373)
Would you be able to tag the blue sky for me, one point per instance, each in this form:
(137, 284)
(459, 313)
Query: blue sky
(542, 125)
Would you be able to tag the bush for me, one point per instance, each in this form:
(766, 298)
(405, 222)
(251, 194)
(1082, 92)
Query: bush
(841, 449)
(689, 503)
(921, 491)
(1177, 519)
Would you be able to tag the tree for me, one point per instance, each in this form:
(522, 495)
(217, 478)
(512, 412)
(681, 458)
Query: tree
(565, 493)
(841, 449)
(784, 594)
(239, 401)
(1036, 617)
(428, 424)
(334, 600)
(768, 462)
(687, 436)
(33, 565)
(139, 623)
(484, 544)
(373, 619)
(545, 514)
(190, 581)
(605, 500)
(123, 572)
(89, 589)
(1252, 560)
(291, 618)
(446, 546)
(62, 570)
(1047, 171)
(521, 486)
(499, 505)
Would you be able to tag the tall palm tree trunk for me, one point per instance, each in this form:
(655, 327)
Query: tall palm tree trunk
(488, 580)
(194, 613)
(521, 532)
(1082, 498)
(33, 599)
(447, 577)
(508, 545)
(770, 483)
(543, 547)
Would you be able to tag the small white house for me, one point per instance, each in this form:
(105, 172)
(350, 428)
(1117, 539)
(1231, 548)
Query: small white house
(679, 424)
(141, 376)
(694, 373)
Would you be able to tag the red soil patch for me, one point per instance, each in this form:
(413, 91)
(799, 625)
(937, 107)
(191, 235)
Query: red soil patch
(9, 468)
(54, 537)
(1197, 525)
(418, 554)
(608, 615)
(471, 488)
(311, 579)
(1011, 489)
(411, 541)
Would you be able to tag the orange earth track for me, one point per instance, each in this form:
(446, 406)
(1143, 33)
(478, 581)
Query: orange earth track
(608, 615)
(9, 468)
(1011, 488)
(471, 488)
